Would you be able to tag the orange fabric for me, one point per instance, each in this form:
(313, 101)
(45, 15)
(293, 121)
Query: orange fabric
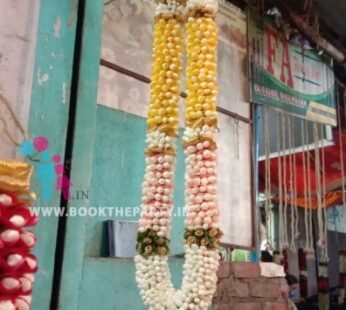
(331, 199)
(333, 175)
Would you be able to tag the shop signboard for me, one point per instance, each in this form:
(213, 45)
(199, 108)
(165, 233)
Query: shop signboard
(288, 77)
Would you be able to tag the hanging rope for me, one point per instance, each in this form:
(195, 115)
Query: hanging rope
(7, 105)
(285, 244)
(278, 146)
(325, 252)
(292, 246)
(310, 251)
(302, 125)
(295, 195)
(267, 170)
(321, 241)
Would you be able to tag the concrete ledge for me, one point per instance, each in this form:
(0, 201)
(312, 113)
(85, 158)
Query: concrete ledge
(272, 270)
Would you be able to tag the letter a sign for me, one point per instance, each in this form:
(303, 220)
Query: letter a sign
(287, 77)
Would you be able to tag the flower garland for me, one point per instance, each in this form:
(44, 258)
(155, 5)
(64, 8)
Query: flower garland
(342, 279)
(323, 285)
(17, 264)
(202, 234)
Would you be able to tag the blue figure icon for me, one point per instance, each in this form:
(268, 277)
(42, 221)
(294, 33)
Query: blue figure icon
(36, 151)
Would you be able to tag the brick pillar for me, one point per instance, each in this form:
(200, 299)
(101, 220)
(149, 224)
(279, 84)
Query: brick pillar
(251, 286)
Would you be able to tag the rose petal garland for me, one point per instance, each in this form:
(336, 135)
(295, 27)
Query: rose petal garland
(17, 264)
(202, 235)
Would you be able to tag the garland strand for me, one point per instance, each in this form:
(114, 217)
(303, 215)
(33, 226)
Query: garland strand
(202, 235)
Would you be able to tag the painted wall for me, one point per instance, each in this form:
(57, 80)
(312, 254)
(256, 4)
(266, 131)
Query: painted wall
(18, 33)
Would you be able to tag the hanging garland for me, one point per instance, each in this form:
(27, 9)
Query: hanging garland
(17, 264)
(202, 234)
(342, 277)
(323, 285)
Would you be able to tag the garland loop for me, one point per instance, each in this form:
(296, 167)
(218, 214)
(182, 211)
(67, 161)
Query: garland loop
(202, 234)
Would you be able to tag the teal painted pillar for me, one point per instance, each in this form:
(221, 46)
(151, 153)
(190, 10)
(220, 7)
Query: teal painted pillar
(48, 117)
(82, 153)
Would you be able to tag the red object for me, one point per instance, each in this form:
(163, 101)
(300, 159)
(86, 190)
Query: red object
(333, 174)
(17, 264)
(303, 281)
(302, 259)
(323, 285)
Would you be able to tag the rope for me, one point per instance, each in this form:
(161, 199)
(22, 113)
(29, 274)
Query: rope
(324, 198)
(318, 189)
(305, 185)
(278, 146)
(292, 246)
(295, 194)
(267, 169)
(285, 243)
(311, 250)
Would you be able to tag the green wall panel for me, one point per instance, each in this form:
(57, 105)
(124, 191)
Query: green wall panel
(109, 284)
(117, 174)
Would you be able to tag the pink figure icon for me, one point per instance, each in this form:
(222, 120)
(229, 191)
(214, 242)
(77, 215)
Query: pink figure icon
(40, 144)
(63, 183)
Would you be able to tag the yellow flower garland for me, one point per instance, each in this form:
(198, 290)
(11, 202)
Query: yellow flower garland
(202, 235)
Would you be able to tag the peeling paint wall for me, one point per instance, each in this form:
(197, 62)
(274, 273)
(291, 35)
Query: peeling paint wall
(18, 28)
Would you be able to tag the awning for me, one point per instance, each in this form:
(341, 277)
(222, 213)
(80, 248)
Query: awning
(330, 199)
(332, 171)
